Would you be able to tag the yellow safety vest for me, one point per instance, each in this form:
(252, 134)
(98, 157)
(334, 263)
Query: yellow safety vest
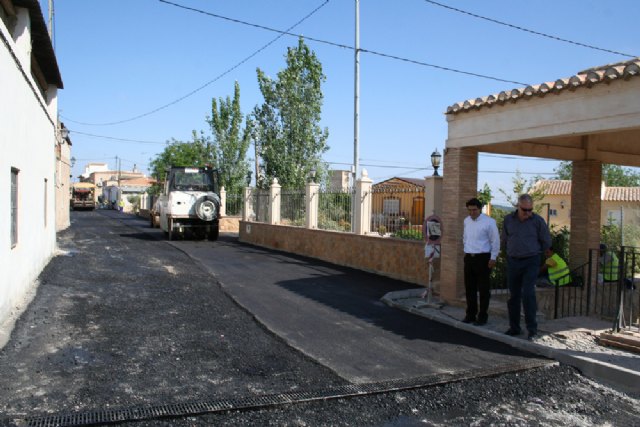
(560, 274)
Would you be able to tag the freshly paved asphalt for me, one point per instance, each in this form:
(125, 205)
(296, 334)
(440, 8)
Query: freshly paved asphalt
(335, 315)
(127, 319)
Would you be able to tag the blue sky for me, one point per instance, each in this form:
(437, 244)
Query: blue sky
(130, 69)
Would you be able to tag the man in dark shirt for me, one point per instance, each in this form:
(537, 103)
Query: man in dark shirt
(525, 236)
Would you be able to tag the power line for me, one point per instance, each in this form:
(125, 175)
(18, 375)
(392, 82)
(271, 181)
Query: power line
(280, 34)
(340, 45)
(115, 139)
(207, 83)
(516, 27)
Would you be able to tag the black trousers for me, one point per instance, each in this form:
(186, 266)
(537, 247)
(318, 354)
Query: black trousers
(476, 282)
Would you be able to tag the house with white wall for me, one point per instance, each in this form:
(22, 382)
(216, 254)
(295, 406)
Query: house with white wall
(29, 137)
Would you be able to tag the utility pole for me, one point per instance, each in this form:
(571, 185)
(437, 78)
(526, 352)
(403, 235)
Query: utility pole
(356, 98)
(51, 23)
(118, 166)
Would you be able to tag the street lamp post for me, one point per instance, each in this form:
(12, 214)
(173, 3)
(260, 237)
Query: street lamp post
(435, 161)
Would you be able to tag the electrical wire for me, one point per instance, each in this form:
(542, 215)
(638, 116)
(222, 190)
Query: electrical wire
(193, 92)
(537, 33)
(281, 34)
(116, 139)
(340, 45)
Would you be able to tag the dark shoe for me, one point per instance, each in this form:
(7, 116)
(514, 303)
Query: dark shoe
(532, 335)
(512, 332)
(468, 319)
(480, 322)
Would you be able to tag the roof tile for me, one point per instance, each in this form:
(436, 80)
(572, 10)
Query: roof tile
(587, 78)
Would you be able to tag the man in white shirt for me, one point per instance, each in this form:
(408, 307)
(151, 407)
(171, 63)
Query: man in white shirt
(481, 241)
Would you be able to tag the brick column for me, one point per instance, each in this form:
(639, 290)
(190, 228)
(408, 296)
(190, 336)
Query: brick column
(586, 185)
(459, 184)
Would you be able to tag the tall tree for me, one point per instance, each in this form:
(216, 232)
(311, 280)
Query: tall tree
(522, 186)
(230, 143)
(287, 134)
(612, 175)
(196, 152)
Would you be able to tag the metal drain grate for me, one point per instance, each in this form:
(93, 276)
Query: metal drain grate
(255, 402)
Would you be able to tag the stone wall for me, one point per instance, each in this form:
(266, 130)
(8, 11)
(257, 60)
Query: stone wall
(395, 258)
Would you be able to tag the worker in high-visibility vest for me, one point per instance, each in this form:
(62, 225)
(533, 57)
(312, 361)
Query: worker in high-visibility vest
(609, 265)
(556, 268)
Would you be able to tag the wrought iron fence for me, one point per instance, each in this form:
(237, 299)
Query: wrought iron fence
(233, 204)
(335, 209)
(606, 286)
(259, 206)
(398, 211)
(293, 207)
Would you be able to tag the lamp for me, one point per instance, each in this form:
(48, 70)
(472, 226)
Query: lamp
(312, 174)
(73, 161)
(64, 132)
(248, 178)
(562, 204)
(435, 161)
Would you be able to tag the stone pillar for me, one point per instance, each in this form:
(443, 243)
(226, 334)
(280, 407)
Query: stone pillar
(433, 196)
(312, 204)
(247, 206)
(459, 184)
(274, 202)
(586, 198)
(223, 201)
(362, 205)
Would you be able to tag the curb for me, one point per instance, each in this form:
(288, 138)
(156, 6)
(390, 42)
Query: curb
(619, 377)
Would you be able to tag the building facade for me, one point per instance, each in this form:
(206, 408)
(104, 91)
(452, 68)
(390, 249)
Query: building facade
(29, 138)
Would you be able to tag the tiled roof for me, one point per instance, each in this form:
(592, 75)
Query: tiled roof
(554, 186)
(609, 194)
(584, 79)
(622, 194)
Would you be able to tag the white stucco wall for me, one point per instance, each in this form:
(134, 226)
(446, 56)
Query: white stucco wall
(27, 142)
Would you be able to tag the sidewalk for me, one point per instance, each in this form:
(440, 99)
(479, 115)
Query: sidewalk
(570, 340)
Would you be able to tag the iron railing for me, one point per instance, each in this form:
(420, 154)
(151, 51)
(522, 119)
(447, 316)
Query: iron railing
(233, 204)
(259, 206)
(335, 209)
(397, 210)
(604, 286)
(293, 209)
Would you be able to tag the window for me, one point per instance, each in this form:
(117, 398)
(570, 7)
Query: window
(553, 212)
(14, 207)
(391, 206)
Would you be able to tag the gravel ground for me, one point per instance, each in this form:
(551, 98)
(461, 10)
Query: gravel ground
(123, 320)
(549, 396)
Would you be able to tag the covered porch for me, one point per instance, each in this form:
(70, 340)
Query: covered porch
(589, 118)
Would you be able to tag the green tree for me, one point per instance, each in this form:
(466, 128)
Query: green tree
(287, 134)
(612, 175)
(230, 143)
(485, 195)
(523, 186)
(197, 152)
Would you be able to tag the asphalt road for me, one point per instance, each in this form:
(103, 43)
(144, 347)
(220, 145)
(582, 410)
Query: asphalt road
(124, 321)
(335, 316)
